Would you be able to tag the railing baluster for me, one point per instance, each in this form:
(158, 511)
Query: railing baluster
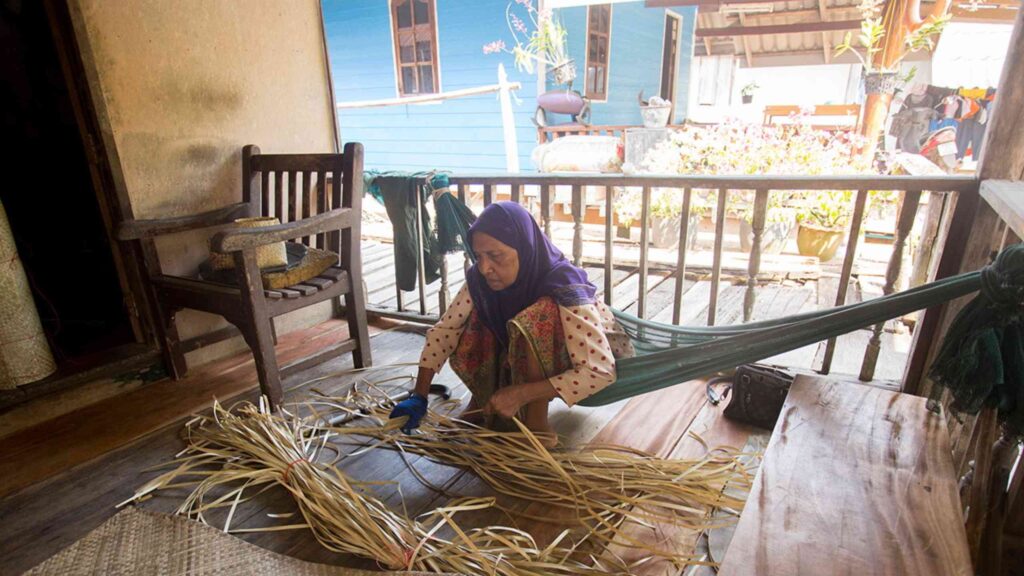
(904, 224)
(294, 208)
(609, 201)
(754, 262)
(716, 266)
(265, 193)
(488, 195)
(577, 226)
(460, 190)
(684, 233)
(516, 193)
(844, 277)
(421, 273)
(545, 208)
(307, 202)
(645, 219)
(279, 195)
(443, 297)
(321, 207)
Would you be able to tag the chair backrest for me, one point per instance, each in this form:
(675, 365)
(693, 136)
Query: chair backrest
(292, 187)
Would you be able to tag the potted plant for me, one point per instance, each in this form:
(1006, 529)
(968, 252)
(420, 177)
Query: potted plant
(822, 220)
(747, 92)
(779, 222)
(666, 207)
(540, 38)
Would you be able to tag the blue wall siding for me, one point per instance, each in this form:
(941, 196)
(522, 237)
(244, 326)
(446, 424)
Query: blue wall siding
(636, 51)
(460, 135)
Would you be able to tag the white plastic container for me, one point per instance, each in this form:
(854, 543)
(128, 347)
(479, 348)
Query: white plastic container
(655, 116)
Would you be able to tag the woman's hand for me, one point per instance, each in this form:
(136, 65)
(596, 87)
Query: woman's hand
(505, 402)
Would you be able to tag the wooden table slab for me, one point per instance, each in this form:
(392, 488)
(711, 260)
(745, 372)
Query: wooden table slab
(856, 480)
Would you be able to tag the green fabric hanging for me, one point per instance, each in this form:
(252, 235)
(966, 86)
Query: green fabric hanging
(981, 360)
(397, 192)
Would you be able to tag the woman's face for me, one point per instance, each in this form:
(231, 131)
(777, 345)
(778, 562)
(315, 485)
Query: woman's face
(498, 263)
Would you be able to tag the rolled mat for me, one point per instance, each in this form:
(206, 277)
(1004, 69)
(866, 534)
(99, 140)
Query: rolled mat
(24, 352)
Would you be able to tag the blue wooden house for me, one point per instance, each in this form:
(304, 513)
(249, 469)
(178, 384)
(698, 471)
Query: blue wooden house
(392, 49)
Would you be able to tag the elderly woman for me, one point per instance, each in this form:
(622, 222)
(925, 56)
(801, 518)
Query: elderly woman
(525, 328)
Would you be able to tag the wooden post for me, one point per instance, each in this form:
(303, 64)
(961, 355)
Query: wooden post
(508, 123)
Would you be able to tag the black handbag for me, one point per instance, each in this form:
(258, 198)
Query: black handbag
(758, 393)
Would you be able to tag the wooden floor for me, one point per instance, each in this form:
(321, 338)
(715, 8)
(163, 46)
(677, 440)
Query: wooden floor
(95, 457)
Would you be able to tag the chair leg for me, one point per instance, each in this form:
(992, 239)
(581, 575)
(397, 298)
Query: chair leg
(355, 311)
(258, 335)
(170, 343)
(255, 323)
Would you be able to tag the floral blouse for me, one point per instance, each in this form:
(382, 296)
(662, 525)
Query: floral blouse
(593, 340)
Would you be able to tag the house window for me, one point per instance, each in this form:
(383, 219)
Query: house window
(599, 28)
(415, 34)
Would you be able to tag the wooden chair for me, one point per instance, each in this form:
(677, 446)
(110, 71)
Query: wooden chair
(317, 197)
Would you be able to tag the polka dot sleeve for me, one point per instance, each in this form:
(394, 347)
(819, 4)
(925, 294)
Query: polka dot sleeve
(591, 355)
(443, 337)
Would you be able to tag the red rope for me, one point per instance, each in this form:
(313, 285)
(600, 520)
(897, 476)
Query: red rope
(289, 468)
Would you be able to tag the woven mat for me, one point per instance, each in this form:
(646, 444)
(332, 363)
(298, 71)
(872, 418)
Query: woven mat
(143, 542)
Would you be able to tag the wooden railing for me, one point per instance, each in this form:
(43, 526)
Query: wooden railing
(540, 189)
(551, 133)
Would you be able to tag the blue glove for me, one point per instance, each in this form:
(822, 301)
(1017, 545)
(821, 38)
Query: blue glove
(415, 407)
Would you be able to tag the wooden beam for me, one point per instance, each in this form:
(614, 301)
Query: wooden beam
(1003, 152)
(826, 47)
(702, 3)
(779, 29)
(746, 42)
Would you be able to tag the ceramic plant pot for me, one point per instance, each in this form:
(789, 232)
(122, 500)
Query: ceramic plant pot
(818, 241)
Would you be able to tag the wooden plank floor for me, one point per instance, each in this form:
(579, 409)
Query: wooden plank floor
(133, 433)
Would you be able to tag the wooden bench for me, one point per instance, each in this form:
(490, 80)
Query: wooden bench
(848, 112)
(855, 480)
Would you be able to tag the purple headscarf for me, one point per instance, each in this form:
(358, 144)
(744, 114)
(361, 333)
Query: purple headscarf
(543, 269)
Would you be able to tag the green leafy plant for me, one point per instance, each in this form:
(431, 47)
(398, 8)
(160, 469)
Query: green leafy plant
(748, 90)
(872, 33)
(829, 209)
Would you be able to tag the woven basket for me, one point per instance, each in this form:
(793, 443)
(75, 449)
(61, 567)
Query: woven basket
(269, 256)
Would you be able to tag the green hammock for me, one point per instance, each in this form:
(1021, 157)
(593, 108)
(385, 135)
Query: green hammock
(981, 360)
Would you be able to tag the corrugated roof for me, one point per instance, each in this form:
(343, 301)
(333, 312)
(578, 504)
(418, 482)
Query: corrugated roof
(762, 27)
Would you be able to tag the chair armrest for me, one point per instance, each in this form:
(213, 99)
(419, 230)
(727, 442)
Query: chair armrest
(244, 238)
(141, 229)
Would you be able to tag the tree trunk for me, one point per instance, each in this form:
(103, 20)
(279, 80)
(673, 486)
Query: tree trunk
(876, 110)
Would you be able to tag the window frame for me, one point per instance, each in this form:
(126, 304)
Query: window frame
(396, 47)
(607, 65)
(674, 73)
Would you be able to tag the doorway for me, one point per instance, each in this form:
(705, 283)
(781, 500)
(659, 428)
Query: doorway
(670, 58)
(55, 214)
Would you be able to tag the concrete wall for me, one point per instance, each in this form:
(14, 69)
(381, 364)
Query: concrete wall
(181, 86)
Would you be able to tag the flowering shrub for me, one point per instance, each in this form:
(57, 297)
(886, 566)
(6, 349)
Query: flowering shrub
(539, 37)
(748, 149)
(734, 148)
